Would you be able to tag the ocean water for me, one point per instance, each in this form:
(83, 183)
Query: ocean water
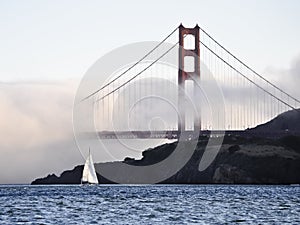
(150, 204)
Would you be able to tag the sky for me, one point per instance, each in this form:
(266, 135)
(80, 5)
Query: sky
(47, 46)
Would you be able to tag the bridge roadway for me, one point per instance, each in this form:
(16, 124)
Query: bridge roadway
(174, 134)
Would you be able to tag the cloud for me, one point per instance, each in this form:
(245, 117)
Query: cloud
(287, 78)
(36, 129)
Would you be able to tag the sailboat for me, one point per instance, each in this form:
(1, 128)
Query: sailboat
(89, 174)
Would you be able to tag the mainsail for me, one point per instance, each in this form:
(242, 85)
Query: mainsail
(89, 173)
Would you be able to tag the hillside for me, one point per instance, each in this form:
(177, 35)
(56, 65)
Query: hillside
(241, 160)
(288, 121)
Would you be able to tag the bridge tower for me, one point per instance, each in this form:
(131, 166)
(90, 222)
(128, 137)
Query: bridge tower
(183, 75)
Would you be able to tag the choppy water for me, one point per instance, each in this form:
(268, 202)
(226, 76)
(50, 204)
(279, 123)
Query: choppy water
(164, 204)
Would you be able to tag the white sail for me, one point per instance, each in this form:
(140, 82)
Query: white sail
(89, 173)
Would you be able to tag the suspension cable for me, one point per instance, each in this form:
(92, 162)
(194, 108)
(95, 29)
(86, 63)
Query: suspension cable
(224, 61)
(257, 74)
(166, 52)
(145, 56)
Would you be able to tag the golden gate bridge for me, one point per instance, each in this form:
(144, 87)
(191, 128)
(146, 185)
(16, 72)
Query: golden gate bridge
(150, 99)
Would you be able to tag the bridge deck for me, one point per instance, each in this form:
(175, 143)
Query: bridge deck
(174, 134)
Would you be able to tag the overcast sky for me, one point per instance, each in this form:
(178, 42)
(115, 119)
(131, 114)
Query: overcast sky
(47, 46)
